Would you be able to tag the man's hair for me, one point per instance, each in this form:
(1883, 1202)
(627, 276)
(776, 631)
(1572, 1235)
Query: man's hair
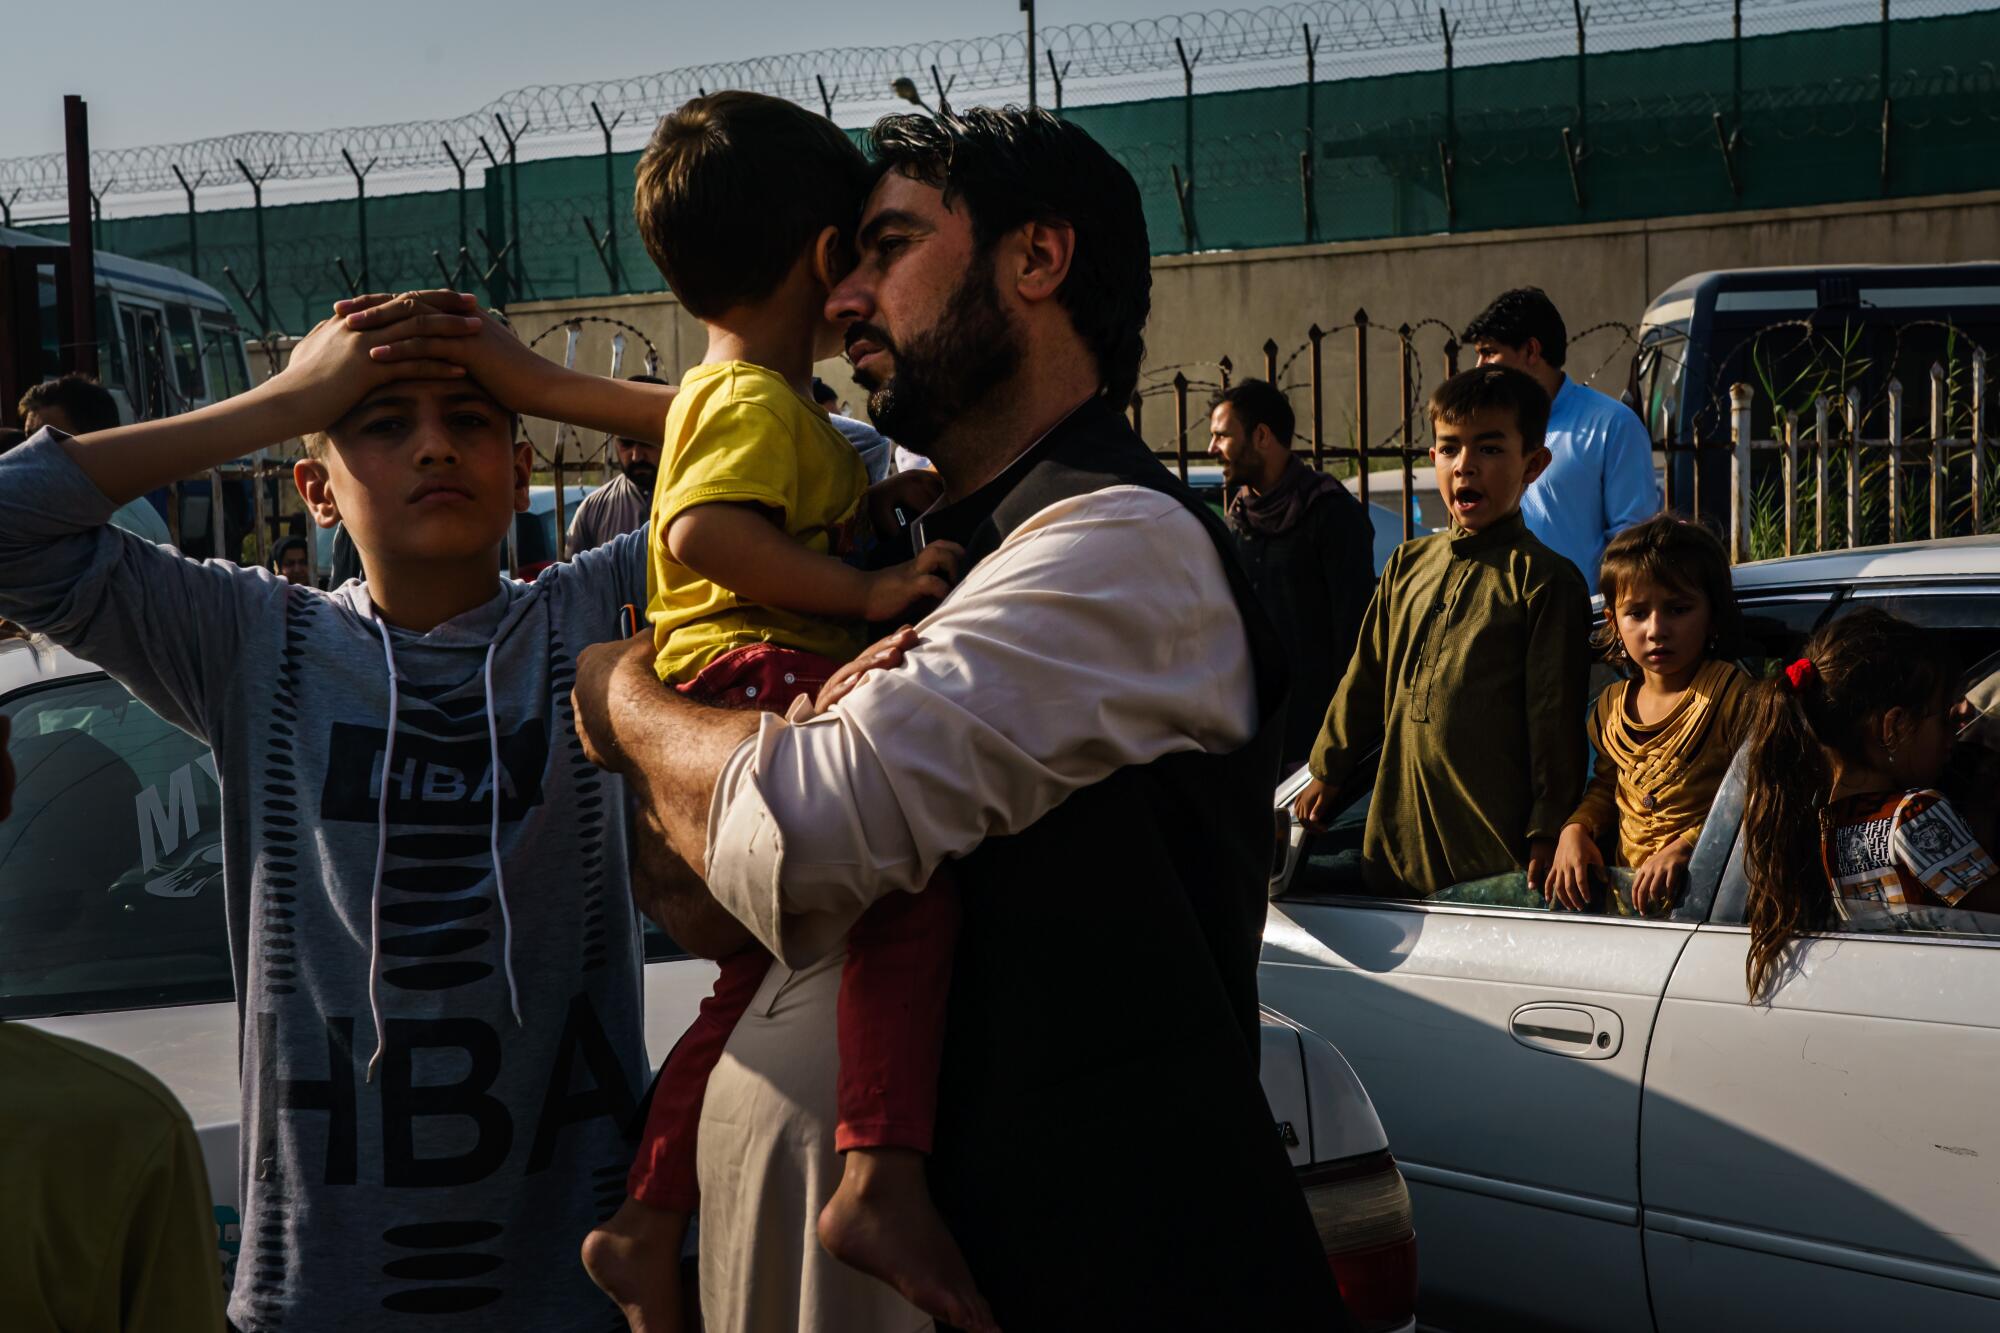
(1518, 315)
(1260, 403)
(732, 190)
(88, 404)
(1012, 167)
(823, 393)
(284, 547)
(1487, 387)
(1668, 552)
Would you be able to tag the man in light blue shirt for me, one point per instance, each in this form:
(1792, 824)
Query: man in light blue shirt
(1600, 477)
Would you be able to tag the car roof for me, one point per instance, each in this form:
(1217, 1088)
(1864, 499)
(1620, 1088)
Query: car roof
(36, 661)
(1955, 558)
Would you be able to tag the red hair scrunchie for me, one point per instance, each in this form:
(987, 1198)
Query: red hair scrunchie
(1801, 674)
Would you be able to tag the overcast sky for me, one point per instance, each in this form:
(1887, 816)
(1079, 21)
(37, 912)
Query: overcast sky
(162, 73)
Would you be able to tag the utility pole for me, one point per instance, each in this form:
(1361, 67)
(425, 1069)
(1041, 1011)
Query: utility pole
(1028, 8)
(82, 257)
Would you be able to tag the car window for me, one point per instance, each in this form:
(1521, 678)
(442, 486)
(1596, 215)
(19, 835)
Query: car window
(1971, 619)
(111, 864)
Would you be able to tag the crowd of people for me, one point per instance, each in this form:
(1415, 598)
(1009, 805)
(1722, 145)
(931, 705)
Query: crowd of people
(901, 748)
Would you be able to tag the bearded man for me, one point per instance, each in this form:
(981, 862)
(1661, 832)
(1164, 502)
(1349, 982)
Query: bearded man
(1087, 729)
(624, 503)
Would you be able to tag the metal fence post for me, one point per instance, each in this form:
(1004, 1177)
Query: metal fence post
(1312, 134)
(1227, 367)
(1791, 481)
(218, 527)
(1978, 434)
(259, 523)
(1939, 398)
(1822, 423)
(1409, 482)
(1853, 468)
(1271, 361)
(1138, 415)
(570, 336)
(1451, 350)
(611, 262)
(361, 208)
(1313, 338)
(1895, 460)
(1361, 400)
(1185, 187)
(194, 233)
(1180, 422)
(1740, 398)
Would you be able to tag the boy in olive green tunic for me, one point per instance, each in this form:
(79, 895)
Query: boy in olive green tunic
(1472, 668)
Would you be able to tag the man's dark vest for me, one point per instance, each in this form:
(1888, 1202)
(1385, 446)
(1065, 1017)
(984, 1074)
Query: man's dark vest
(1105, 1154)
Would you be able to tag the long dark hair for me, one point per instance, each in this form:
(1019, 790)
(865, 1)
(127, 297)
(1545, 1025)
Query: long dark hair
(1861, 666)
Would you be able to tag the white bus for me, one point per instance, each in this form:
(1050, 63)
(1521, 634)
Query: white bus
(166, 342)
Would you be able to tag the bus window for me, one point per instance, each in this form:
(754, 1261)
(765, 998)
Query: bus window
(227, 373)
(110, 350)
(187, 353)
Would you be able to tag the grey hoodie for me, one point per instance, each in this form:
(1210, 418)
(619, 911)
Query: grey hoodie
(437, 977)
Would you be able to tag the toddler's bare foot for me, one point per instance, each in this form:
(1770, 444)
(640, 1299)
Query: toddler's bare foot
(881, 1221)
(636, 1258)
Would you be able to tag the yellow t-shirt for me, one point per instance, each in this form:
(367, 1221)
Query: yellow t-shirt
(739, 434)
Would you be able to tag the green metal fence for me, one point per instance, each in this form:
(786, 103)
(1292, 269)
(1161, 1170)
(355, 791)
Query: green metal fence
(1872, 110)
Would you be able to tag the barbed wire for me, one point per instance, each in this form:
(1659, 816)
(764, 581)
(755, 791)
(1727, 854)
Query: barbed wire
(1092, 54)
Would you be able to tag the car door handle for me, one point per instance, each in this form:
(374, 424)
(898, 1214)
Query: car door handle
(1581, 1031)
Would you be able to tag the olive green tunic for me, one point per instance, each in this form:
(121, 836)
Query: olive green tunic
(1471, 674)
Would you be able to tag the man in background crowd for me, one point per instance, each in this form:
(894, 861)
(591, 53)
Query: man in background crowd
(622, 504)
(77, 405)
(1306, 543)
(289, 561)
(1600, 478)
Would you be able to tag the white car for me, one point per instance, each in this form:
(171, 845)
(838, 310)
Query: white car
(112, 932)
(1600, 1131)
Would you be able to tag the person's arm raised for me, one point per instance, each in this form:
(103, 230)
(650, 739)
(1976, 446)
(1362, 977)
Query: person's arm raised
(740, 548)
(522, 379)
(329, 371)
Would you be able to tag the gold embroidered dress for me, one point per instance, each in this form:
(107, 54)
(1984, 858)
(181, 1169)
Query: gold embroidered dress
(1653, 783)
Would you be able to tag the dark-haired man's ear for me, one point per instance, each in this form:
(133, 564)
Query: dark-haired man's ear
(1531, 351)
(316, 489)
(1047, 249)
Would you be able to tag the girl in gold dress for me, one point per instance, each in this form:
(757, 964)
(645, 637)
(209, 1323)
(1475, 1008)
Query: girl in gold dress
(1664, 740)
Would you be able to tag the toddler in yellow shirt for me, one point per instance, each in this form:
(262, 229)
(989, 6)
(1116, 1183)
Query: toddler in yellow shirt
(756, 594)
(1665, 740)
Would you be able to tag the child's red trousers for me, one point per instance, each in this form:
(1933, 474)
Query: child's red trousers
(892, 988)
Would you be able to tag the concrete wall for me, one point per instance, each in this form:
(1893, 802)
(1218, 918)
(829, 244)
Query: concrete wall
(1209, 306)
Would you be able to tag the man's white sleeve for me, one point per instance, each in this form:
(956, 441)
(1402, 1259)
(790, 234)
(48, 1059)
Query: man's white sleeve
(1100, 635)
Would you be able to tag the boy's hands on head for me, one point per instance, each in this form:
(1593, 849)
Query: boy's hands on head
(331, 368)
(1577, 857)
(519, 378)
(516, 375)
(1314, 806)
(892, 591)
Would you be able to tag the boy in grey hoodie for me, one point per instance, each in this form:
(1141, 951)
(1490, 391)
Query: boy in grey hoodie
(436, 958)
